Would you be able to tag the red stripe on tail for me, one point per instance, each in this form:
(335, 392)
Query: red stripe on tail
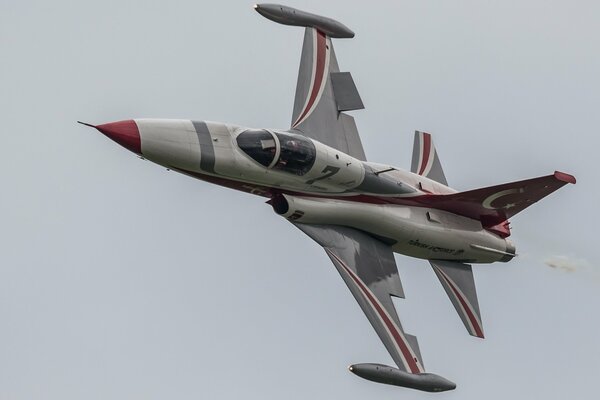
(426, 152)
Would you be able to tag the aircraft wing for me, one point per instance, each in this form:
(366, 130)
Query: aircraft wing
(323, 93)
(368, 267)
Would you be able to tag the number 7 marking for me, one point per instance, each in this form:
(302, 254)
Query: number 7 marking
(329, 171)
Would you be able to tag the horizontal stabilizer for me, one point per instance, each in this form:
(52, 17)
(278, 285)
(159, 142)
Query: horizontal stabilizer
(392, 376)
(495, 204)
(457, 280)
(290, 16)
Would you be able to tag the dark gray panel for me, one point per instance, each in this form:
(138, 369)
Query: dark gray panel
(381, 184)
(345, 92)
(207, 149)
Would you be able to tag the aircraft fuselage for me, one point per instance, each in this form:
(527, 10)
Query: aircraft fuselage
(310, 182)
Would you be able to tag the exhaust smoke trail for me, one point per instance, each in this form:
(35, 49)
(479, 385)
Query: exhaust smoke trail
(570, 264)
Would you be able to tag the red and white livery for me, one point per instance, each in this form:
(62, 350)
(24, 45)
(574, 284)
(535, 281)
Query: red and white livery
(316, 175)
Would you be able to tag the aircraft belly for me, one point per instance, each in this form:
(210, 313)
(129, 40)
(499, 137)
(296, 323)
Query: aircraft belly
(414, 231)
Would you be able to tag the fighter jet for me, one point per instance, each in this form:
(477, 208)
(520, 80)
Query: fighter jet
(315, 174)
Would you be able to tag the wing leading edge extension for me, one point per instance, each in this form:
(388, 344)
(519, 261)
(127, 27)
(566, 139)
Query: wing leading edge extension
(323, 93)
(368, 268)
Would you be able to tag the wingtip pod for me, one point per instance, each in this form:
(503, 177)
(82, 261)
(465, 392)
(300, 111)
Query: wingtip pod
(392, 376)
(290, 16)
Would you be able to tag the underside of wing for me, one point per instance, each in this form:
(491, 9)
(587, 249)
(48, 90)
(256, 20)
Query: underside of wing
(368, 267)
(323, 93)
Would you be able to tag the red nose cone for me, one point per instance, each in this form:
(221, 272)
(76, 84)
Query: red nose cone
(126, 133)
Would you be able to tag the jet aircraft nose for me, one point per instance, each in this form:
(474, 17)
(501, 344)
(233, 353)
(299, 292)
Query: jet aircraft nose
(126, 133)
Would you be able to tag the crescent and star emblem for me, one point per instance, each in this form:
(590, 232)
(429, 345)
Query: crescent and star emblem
(487, 203)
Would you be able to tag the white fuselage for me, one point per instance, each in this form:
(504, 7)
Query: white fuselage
(321, 185)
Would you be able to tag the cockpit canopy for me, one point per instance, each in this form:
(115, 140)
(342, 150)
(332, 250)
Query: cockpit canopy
(295, 153)
(258, 144)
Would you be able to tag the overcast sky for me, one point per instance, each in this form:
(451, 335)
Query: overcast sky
(121, 280)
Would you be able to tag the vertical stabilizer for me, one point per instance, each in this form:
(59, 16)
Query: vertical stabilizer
(425, 160)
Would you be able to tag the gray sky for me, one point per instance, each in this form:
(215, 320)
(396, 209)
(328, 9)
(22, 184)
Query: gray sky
(121, 280)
